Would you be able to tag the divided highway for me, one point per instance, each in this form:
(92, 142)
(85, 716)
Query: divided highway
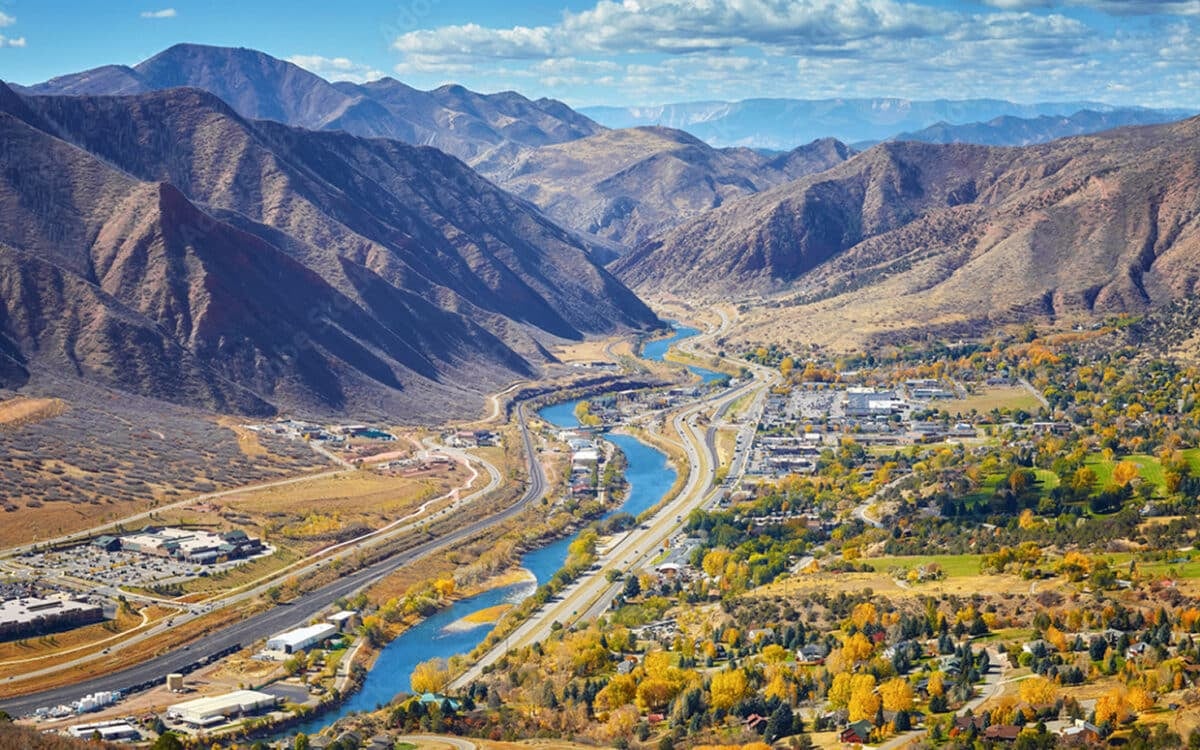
(591, 595)
(281, 617)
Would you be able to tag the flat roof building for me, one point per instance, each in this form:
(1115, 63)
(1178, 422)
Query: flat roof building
(32, 615)
(301, 639)
(218, 709)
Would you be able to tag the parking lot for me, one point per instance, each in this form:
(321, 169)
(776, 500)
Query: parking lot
(121, 568)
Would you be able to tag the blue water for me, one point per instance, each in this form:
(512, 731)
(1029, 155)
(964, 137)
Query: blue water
(656, 350)
(649, 474)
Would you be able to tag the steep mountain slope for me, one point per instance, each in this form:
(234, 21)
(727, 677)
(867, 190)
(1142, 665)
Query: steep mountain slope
(161, 241)
(625, 185)
(259, 86)
(909, 234)
(1023, 131)
(784, 123)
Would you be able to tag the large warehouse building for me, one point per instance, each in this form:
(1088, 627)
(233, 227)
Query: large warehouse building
(301, 639)
(218, 709)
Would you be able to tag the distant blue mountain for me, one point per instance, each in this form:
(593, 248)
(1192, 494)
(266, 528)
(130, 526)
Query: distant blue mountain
(783, 124)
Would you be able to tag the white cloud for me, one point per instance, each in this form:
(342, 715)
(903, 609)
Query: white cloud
(12, 42)
(655, 51)
(6, 20)
(336, 68)
(682, 26)
(1112, 7)
(164, 13)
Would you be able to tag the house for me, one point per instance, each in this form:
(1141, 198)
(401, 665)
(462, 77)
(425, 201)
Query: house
(857, 733)
(1137, 650)
(968, 723)
(753, 721)
(1002, 732)
(811, 653)
(1080, 733)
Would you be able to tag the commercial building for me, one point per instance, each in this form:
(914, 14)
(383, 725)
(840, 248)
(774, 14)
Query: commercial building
(197, 546)
(219, 709)
(108, 731)
(301, 639)
(33, 616)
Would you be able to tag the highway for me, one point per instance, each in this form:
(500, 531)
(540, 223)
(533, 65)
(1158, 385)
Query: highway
(591, 595)
(294, 613)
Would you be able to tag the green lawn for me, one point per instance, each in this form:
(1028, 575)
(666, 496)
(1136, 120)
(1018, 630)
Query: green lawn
(1192, 455)
(1189, 569)
(1047, 480)
(956, 566)
(1150, 468)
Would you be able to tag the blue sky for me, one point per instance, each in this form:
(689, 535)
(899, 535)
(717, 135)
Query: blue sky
(657, 51)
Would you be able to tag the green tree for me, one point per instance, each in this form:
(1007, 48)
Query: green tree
(167, 741)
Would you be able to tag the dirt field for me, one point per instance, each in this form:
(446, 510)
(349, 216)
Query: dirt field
(587, 351)
(19, 411)
(95, 456)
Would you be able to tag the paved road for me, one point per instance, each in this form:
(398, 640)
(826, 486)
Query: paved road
(590, 595)
(993, 681)
(85, 534)
(307, 566)
(282, 617)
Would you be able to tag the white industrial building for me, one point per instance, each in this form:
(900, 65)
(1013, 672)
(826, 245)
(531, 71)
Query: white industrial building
(108, 731)
(301, 639)
(218, 709)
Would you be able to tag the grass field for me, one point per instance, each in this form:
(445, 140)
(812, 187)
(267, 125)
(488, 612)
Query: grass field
(1012, 397)
(1150, 468)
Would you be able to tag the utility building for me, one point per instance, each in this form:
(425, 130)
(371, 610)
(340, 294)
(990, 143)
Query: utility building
(301, 639)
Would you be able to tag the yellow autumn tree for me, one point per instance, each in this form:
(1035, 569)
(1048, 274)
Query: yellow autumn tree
(864, 701)
(897, 695)
(780, 687)
(839, 691)
(620, 691)
(430, 676)
(1056, 638)
(728, 689)
(1027, 520)
(864, 614)
(1124, 473)
(714, 562)
(937, 683)
(774, 653)
(857, 648)
(1112, 707)
(1037, 691)
(654, 693)
(1139, 699)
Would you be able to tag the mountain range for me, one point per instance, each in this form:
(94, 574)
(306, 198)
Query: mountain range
(217, 227)
(617, 186)
(1024, 131)
(261, 87)
(624, 186)
(164, 244)
(782, 124)
(908, 235)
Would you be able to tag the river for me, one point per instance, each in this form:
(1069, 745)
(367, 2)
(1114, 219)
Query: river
(657, 349)
(444, 634)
